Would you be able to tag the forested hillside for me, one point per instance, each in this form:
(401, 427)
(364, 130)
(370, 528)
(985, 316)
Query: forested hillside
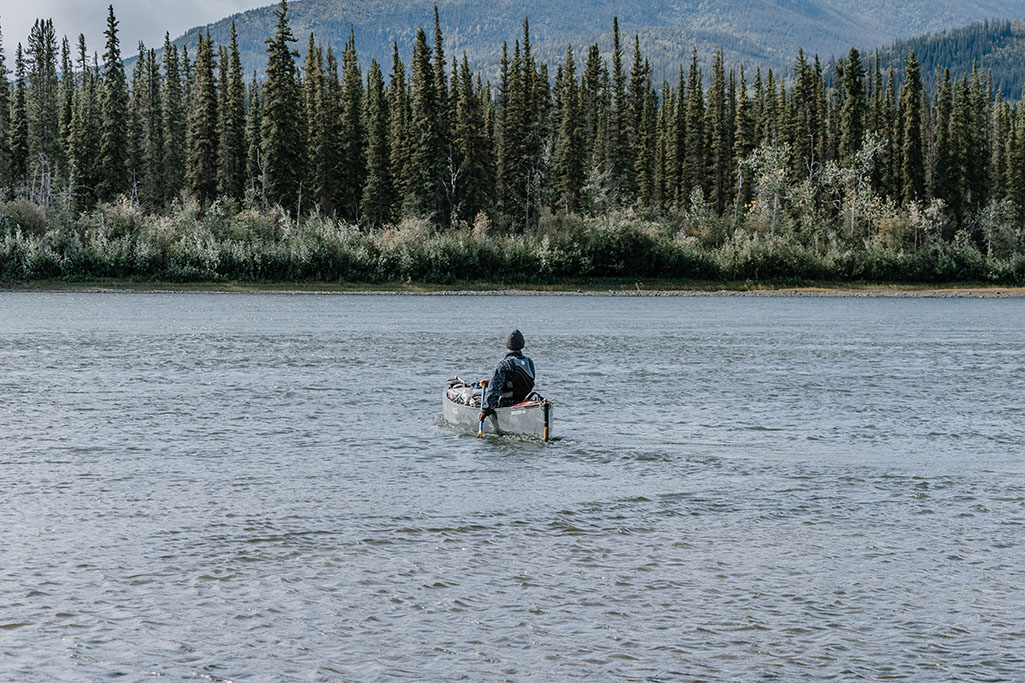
(996, 48)
(419, 169)
(764, 32)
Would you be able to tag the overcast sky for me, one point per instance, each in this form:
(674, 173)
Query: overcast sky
(144, 20)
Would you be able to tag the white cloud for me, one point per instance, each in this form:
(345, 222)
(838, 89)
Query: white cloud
(144, 20)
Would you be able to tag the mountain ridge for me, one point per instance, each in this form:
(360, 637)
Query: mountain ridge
(766, 33)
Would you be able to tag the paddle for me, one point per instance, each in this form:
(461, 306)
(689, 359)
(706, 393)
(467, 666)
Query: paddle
(480, 427)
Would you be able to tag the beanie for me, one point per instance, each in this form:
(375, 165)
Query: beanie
(514, 342)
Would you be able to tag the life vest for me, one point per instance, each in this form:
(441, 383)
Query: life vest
(520, 382)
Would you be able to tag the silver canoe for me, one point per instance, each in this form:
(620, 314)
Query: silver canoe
(526, 419)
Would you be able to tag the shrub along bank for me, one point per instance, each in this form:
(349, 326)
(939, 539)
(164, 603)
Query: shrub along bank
(229, 243)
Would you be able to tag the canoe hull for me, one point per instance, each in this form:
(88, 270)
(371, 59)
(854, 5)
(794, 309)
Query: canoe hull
(532, 419)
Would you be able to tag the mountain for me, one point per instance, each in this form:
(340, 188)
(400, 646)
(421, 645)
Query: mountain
(996, 48)
(767, 33)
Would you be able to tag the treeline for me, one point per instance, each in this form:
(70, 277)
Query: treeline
(862, 163)
(997, 48)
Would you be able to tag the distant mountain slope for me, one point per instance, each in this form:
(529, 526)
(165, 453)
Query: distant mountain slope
(996, 47)
(764, 32)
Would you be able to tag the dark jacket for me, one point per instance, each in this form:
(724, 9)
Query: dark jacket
(512, 382)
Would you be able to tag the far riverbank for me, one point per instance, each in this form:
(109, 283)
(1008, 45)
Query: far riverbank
(598, 287)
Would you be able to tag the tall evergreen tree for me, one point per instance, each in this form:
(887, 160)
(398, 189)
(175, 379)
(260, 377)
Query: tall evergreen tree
(231, 167)
(5, 122)
(398, 132)
(720, 136)
(633, 134)
(84, 138)
(618, 147)
(998, 147)
(254, 140)
(173, 123)
(472, 147)
(19, 142)
(319, 174)
(137, 165)
(377, 192)
(66, 97)
(594, 104)
(569, 152)
(43, 110)
(114, 173)
(695, 154)
(1016, 163)
(912, 152)
(281, 133)
(426, 160)
(745, 141)
(203, 137)
(943, 155)
(352, 169)
(445, 106)
(852, 115)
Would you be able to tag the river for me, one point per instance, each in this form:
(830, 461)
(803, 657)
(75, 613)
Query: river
(260, 487)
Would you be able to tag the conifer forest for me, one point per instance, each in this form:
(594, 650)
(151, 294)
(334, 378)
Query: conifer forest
(181, 167)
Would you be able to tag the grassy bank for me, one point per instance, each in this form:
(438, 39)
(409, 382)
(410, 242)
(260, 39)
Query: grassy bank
(231, 246)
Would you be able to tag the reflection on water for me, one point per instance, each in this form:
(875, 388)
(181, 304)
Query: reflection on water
(249, 487)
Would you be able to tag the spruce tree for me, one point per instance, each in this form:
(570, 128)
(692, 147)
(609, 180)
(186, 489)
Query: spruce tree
(231, 168)
(942, 158)
(593, 103)
(912, 169)
(977, 140)
(720, 135)
(569, 151)
(695, 153)
(377, 192)
(633, 134)
(351, 175)
(19, 143)
(332, 157)
(998, 147)
(646, 150)
(472, 147)
(618, 149)
(154, 132)
(254, 141)
(852, 115)
(426, 163)
(281, 133)
(319, 181)
(445, 106)
(805, 119)
(398, 133)
(113, 172)
(203, 137)
(66, 96)
(84, 137)
(45, 148)
(5, 122)
(173, 123)
(677, 185)
(745, 141)
(137, 167)
(1016, 163)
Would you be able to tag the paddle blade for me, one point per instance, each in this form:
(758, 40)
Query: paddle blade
(480, 430)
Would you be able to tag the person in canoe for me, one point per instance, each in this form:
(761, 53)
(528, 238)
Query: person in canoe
(513, 379)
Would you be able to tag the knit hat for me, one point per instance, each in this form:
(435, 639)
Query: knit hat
(514, 342)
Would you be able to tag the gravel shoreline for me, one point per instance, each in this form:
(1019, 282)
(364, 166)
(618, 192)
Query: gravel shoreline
(810, 292)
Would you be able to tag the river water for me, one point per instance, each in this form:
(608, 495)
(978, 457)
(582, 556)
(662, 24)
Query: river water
(259, 487)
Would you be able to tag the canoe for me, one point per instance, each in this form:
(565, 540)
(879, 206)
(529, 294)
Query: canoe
(531, 418)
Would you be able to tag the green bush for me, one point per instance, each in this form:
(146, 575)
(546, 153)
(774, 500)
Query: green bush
(228, 242)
